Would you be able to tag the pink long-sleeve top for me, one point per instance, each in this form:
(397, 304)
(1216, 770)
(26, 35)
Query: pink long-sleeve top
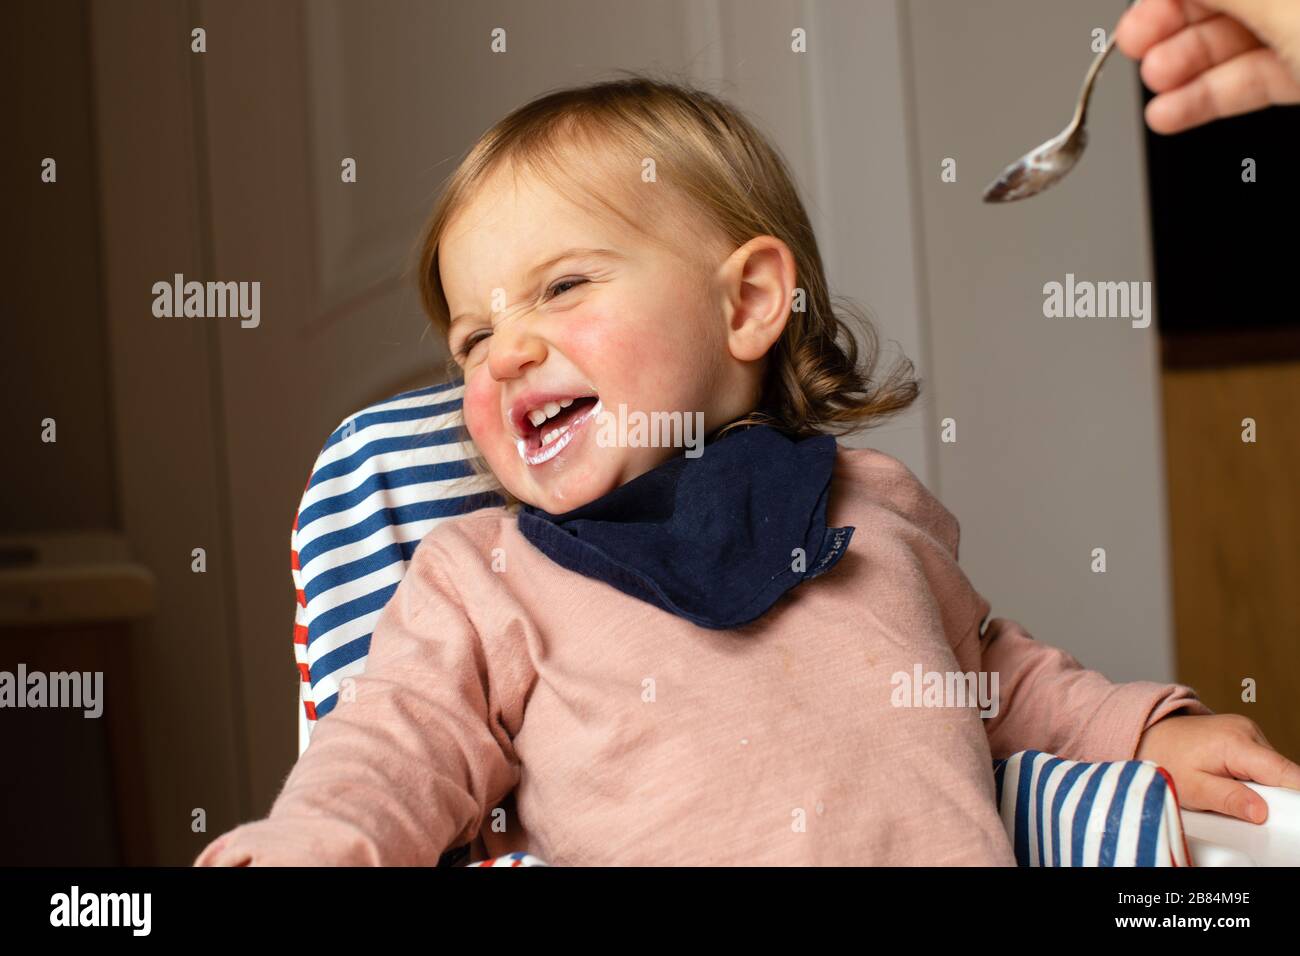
(629, 736)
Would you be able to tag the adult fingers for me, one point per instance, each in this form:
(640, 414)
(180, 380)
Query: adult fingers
(1275, 22)
(1149, 22)
(1193, 50)
(1272, 21)
(1251, 81)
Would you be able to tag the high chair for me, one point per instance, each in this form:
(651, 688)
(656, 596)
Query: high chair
(392, 471)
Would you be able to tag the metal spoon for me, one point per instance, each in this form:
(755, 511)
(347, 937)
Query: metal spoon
(1049, 163)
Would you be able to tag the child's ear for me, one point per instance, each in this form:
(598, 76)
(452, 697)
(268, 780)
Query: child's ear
(758, 288)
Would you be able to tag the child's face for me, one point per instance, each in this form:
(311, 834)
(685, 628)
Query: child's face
(639, 326)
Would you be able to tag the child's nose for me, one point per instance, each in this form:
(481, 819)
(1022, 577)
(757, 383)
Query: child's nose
(512, 349)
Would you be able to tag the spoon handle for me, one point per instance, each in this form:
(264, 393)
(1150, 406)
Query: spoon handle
(1081, 113)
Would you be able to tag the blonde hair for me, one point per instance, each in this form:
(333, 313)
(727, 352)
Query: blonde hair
(817, 380)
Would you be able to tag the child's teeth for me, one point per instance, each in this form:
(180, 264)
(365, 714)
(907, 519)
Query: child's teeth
(552, 409)
(566, 403)
(537, 416)
(552, 435)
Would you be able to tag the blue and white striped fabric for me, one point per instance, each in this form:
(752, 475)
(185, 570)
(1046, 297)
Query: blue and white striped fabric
(1067, 813)
(384, 478)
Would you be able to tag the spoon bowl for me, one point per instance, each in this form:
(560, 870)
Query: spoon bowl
(1038, 170)
(1048, 164)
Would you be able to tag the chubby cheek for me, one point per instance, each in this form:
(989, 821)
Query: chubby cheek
(657, 376)
(624, 360)
(482, 408)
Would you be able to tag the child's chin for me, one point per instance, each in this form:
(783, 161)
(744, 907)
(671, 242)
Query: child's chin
(554, 491)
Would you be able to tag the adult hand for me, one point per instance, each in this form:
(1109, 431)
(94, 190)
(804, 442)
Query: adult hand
(1209, 59)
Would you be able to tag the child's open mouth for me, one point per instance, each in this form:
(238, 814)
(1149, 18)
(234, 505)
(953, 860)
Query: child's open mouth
(549, 428)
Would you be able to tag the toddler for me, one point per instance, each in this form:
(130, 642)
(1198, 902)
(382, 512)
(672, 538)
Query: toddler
(652, 658)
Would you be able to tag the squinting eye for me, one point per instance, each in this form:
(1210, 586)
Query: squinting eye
(471, 340)
(563, 282)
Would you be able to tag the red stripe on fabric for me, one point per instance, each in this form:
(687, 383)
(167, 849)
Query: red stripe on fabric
(293, 559)
(1182, 832)
(302, 599)
(304, 673)
(300, 634)
(311, 709)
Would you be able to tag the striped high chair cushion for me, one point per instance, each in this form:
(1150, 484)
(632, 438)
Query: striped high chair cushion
(1065, 813)
(385, 477)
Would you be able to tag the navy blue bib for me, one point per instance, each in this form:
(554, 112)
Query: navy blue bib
(716, 539)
